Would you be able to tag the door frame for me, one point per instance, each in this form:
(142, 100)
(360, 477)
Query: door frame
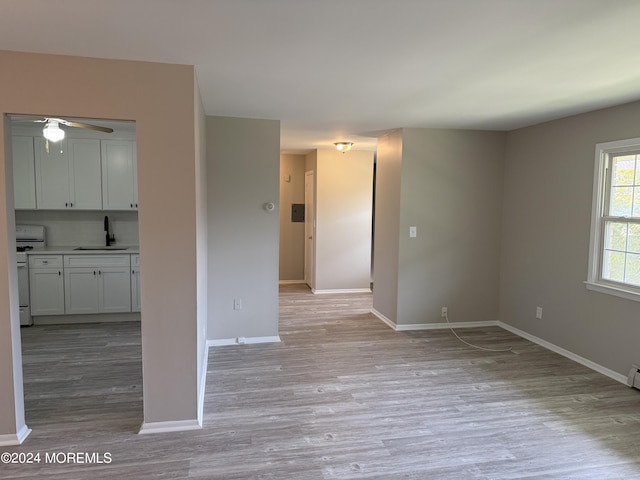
(309, 229)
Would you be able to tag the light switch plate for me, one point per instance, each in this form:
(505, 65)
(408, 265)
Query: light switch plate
(413, 232)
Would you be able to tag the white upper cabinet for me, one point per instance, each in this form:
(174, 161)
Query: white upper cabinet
(68, 175)
(76, 173)
(24, 187)
(86, 175)
(52, 174)
(119, 175)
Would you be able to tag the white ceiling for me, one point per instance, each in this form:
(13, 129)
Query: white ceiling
(349, 69)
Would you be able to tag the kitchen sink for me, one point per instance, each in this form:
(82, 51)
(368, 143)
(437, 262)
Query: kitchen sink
(101, 248)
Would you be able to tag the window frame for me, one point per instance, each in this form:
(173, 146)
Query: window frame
(600, 216)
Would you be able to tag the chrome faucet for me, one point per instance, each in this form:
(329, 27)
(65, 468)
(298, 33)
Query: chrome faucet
(109, 237)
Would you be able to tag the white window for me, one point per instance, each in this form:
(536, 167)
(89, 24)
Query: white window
(614, 251)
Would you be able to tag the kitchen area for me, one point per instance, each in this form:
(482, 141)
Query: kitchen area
(76, 214)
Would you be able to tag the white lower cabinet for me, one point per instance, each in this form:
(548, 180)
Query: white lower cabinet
(135, 283)
(46, 285)
(81, 290)
(114, 290)
(97, 284)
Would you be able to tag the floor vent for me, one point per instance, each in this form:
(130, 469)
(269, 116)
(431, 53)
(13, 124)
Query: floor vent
(633, 380)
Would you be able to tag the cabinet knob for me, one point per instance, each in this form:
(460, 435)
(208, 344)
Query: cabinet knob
(94, 273)
(59, 273)
(66, 204)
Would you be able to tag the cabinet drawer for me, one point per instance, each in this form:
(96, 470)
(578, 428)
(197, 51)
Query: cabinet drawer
(97, 260)
(45, 261)
(135, 260)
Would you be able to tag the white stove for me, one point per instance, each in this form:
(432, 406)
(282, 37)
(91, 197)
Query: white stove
(28, 237)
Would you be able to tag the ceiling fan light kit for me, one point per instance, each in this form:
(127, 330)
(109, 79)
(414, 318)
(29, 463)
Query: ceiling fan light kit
(52, 131)
(343, 147)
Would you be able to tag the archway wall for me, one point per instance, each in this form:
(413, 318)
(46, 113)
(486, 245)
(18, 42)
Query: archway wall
(160, 99)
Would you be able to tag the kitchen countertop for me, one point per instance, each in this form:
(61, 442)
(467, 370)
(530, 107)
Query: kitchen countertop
(71, 250)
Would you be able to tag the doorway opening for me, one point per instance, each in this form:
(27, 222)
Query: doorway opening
(334, 244)
(81, 310)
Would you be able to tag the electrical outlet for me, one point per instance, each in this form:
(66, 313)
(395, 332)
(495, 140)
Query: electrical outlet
(237, 304)
(444, 312)
(539, 313)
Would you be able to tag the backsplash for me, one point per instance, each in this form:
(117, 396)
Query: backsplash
(79, 227)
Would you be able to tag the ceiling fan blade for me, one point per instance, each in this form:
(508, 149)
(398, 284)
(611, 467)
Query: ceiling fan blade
(88, 126)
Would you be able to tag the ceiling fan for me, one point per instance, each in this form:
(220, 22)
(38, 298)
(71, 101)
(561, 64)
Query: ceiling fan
(53, 133)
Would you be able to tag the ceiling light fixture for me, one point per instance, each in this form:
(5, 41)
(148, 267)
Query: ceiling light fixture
(343, 147)
(53, 132)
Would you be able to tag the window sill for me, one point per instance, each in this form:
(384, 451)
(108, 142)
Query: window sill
(613, 290)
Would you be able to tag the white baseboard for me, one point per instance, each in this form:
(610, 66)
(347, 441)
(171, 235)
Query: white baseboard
(432, 326)
(565, 353)
(385, 319)
(203, 384)
(341, 290)
(290, 282)
(15, 438)
(171, 426)
(89, 318)
(222, 342)
(442, 325)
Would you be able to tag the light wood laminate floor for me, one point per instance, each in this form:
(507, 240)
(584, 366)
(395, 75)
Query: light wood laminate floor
(342, 397)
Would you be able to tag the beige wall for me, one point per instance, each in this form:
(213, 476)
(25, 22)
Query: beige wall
(451, 190)
(121, 90)
(343, 203)
(292, 169)
(545, 241)
(387, 225)
(243, 163)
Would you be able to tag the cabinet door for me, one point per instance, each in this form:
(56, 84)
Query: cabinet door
(135, 289)
(46, 291)
(86, 173)
(119, 182)
(81, 290)
(52, 175)
(114, 289)
(24, 175)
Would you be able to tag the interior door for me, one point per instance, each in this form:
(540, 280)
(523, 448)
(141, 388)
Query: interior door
(309, 230)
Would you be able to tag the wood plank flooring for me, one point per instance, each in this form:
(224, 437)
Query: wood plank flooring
(342, 397)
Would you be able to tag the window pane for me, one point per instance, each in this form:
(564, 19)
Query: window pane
(636, 199)
(632, 269)
(613, 266)
(615, 237)
(623, 170)
(633, 238)
(621, 201)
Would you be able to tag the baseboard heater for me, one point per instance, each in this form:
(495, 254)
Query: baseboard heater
(633, 380)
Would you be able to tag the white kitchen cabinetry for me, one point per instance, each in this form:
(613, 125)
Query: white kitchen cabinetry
(81, 290)
(119, 175)
(24, 177)
(69, 175)
(46, 285)
(97, 283)
(135, 283)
